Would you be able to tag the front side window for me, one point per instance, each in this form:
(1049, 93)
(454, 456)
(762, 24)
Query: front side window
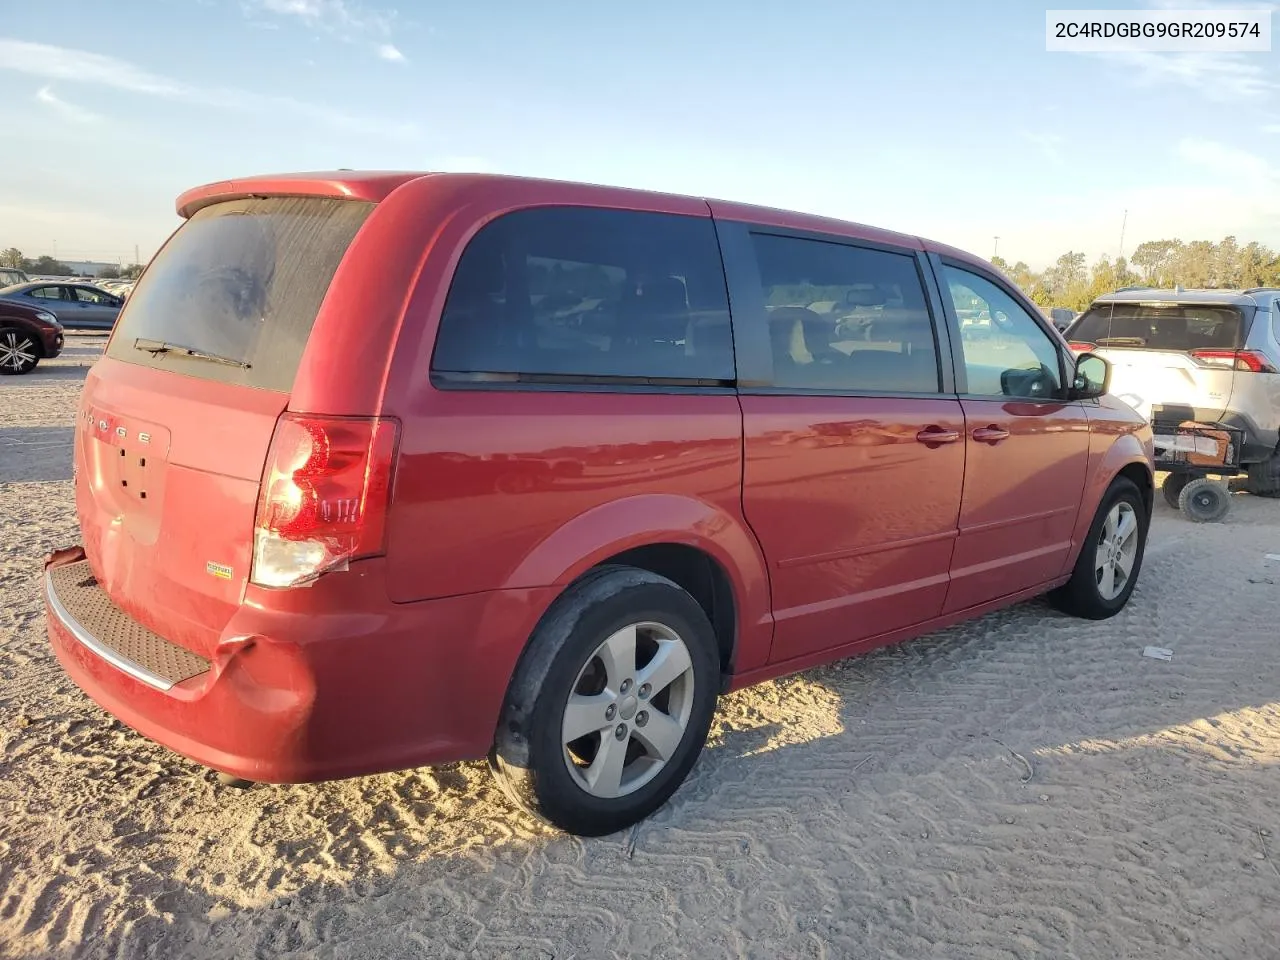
(85, 295)
(845, 318)
(578, 292)
(1006, 353)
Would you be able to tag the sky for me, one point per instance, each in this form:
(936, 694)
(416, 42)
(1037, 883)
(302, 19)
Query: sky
(947, 120)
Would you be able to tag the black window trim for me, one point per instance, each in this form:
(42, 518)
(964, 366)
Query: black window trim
(937, 262)
(505, 381)
(751, 339)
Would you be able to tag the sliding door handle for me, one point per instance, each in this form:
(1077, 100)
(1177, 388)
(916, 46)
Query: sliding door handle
(991, 434)
(933, 436)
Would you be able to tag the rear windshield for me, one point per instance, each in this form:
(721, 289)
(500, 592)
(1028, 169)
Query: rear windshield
(241, 283)
(1174, 326)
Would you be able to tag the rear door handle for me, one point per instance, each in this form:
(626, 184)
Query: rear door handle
(934, 435)
(991, 434)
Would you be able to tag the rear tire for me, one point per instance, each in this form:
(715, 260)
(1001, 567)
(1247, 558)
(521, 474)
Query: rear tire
(1264, 478)
(19, 351)
(1204, 501)
(1100, 586)
(595, 652)
(1172, 487)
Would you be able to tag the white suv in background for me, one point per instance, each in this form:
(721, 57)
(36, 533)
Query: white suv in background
(1207, 355)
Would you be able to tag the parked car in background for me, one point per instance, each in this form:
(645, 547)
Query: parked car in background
(10, 275)
(28, 334)
(78, 306)
(1062, 317)
(375, 494)
(119, 288)
(1209, 356)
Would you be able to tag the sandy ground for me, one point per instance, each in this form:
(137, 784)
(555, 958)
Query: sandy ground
(874, 808)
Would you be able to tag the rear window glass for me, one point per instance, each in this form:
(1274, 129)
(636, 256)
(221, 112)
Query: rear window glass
(588, 293)
(240, 283)
(1177, 326)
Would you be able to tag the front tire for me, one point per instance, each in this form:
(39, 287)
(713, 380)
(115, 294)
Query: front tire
(1110, 558)
(19, 351)
(610, 704)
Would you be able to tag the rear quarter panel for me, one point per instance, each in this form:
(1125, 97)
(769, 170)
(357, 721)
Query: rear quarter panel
(1118, 439)
(518, 489)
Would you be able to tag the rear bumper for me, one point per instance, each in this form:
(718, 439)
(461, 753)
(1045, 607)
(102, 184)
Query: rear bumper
(330, 682)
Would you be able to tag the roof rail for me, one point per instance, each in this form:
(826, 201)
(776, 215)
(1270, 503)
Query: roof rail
(1136, 286)
(1262, 290)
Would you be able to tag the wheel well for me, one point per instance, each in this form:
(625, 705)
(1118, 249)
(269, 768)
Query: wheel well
(6, 324)
(1143, 480)
(702, 577)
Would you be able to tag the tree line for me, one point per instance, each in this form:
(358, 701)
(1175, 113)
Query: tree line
(47, 266)
(1157, 263)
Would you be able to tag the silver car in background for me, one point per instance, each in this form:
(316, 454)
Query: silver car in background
(78, 306)
(1212, 356)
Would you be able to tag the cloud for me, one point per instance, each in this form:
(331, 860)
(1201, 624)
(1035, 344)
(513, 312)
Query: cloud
(1049, 144)
(1220, 77)
(1231, 163)
(341, 19)
(1271, 128)
(95, 69)
(68, 111)
(331, 16)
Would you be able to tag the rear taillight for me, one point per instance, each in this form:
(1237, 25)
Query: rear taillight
(1079, 346)
(324, 497)
(1246, 360)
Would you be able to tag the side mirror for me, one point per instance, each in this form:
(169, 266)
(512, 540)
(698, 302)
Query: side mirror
(1092, 377)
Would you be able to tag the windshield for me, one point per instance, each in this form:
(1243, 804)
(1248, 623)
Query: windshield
(1151, 326)
(241, 280)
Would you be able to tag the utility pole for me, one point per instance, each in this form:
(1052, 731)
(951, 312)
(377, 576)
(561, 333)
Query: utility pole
(995, 251)
(1123, 224)
(135, 253)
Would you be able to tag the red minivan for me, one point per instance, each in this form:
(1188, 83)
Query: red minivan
(390, 469)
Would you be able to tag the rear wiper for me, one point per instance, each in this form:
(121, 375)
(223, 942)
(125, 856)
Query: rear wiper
(1121, 341)
(163, 346)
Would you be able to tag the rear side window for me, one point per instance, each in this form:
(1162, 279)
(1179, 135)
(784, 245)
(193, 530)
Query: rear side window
(233, 295)
(846, 318)
(1160, 326)
(581, 294)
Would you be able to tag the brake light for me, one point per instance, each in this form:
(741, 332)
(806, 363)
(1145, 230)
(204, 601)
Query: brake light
(1245, 360)
(1079, 346)
(325, 492)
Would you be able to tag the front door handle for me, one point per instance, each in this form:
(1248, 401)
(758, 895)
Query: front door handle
(991, 434)
(933, 435)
